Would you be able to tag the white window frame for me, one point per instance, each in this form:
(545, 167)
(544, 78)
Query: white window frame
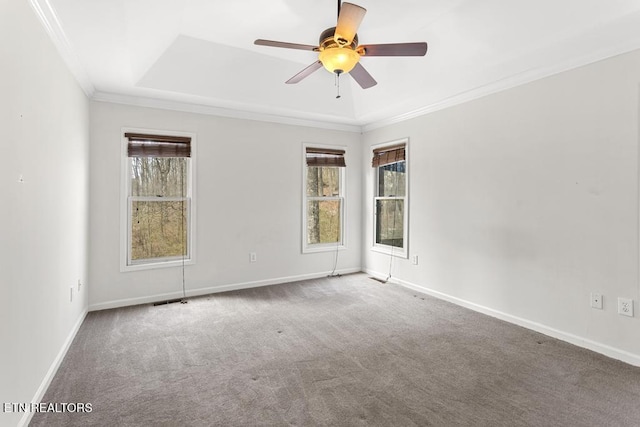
(126, 264)
(323, 247)
(379, 247)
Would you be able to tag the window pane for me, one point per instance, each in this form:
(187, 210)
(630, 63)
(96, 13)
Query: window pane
(392, 180)
(323, 221)
(158, 176)
(389, 222)
(158, 229)
(323, 181)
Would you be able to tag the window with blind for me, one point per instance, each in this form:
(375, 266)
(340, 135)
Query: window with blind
(323, 195)
(389, 163)
(158, 180)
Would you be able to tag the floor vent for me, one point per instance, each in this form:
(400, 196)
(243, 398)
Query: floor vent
(171, 301)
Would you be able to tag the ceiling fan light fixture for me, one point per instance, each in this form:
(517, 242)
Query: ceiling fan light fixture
(338, 59)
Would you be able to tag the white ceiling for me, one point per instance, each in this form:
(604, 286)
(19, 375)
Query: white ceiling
(200, 53)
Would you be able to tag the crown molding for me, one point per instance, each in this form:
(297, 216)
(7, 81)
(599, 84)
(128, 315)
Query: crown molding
(51, 23)
(187, 107)
(507, 83)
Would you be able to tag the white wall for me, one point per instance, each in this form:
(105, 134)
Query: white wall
(248, 195)
(43, 220)
(525, 201)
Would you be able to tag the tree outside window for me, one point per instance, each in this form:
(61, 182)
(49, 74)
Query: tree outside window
(159, 193)
(390, 199)
(324, 200)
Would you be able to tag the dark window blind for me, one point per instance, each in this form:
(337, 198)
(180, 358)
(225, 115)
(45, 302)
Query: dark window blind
(388, 155)
(144, 145)
(325, 157)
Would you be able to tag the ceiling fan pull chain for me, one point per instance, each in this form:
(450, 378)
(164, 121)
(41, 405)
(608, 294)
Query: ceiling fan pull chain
(337, 83)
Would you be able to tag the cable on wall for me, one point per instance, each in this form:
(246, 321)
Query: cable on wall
(335, 261)
(154, 146)
(393, 226)
(182, 233)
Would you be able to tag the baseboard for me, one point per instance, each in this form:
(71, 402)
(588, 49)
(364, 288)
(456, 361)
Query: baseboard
(46, 381)
(214, 289)
(614, 353)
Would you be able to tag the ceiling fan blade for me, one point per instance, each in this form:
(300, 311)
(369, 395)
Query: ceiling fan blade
(394, 49)
(348, 22)
(285, 45)
(362, 77)
(305, 73)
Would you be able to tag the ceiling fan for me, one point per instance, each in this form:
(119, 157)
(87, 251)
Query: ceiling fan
(339, 52)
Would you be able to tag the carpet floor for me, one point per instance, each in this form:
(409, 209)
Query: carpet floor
(345, 351)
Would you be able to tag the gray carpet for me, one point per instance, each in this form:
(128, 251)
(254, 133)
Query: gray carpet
(344, 351)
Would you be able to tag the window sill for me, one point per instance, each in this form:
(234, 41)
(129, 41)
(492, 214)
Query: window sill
(330, 247)
(390, 250)
(155, 265)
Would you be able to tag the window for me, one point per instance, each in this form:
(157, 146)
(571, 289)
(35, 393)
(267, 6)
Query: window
(323, 212)
(390, 199)
(158, 189)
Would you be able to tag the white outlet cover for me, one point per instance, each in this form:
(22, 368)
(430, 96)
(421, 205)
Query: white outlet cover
(596, 300)
(625, 306)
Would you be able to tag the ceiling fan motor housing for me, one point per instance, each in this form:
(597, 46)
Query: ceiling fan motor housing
(327, 40)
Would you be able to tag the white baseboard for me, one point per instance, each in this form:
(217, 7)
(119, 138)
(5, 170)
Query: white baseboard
(214, 289)
(46, 381)
(614, 353)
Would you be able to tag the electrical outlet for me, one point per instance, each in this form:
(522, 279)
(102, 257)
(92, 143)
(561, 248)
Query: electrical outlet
(625, 306)
(596, 300)
(414, 260)
(79, 285)
(253, 257)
